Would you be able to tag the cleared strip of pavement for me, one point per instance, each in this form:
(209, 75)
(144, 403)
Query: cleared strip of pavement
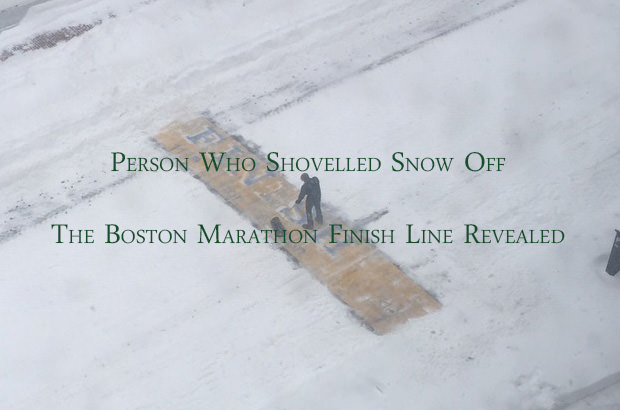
(359, 274)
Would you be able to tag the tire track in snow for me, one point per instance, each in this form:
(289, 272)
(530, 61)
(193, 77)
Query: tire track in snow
(390, 58)
(569, 399)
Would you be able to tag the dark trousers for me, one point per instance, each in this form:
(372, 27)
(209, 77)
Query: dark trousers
(316, 204)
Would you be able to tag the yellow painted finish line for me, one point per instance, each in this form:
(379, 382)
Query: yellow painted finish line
(360, 275)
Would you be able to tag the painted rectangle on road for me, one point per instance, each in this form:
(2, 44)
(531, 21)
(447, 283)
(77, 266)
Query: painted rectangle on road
(359, 274)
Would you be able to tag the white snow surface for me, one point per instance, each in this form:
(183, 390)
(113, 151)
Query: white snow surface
(195, 326)
(6, 4)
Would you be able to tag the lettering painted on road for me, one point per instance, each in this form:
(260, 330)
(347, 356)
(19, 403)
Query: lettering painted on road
(357, 273)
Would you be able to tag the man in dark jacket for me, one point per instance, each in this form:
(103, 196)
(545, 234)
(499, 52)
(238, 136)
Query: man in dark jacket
(312, 190)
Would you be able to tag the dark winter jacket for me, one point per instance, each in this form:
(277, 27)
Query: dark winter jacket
(312, 189)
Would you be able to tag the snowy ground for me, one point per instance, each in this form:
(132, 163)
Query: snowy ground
(241, 327)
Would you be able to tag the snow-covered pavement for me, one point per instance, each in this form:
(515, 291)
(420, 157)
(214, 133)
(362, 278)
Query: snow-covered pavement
(242, 327)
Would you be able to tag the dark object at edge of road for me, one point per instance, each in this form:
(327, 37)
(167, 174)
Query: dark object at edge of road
(613, 265)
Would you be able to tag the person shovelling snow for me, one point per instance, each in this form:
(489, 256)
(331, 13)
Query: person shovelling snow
(311, 189)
